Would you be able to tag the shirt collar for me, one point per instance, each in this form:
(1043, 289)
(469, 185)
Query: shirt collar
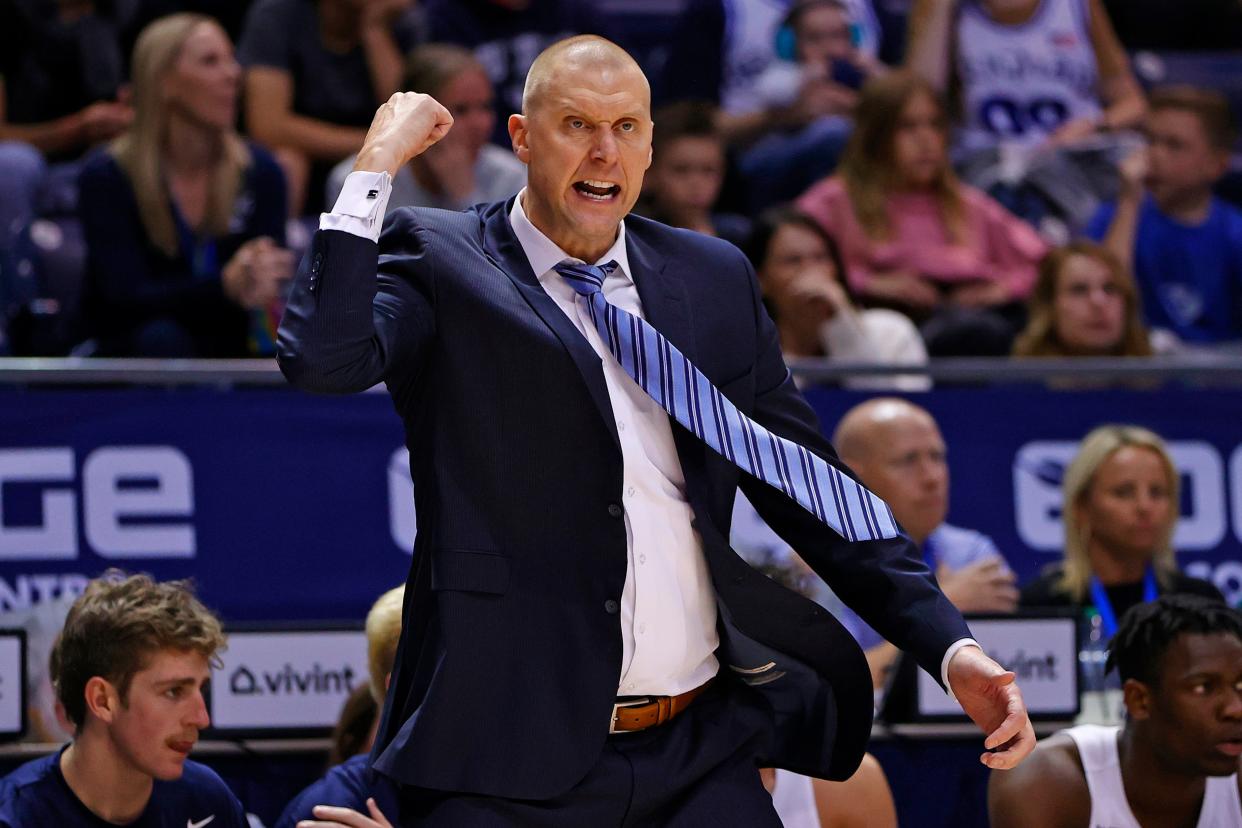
(544, 254)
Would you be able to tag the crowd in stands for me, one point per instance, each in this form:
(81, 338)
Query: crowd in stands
(957, 156)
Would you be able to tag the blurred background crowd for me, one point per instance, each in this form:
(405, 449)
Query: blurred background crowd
(910, 178)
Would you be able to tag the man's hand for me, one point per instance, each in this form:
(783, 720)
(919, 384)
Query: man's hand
(987, 693)
(984, 586)
(327, 816)
(404, 126)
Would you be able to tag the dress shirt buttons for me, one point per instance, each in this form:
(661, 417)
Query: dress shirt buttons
(642, 629)
(629, 492)
(615, 511)
(611, 607)
(620, 426)
(642, 559)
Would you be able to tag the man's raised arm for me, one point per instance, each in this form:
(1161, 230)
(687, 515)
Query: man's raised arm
(358, 312)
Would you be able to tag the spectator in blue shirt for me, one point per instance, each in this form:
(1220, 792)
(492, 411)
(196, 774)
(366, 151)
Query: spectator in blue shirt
(129, 668)
(897, 451)
(1184, 245)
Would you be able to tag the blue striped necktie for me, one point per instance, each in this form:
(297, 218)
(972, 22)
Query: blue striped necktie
(690, 398)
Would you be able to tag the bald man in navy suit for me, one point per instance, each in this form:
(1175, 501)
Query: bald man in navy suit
(581, 646)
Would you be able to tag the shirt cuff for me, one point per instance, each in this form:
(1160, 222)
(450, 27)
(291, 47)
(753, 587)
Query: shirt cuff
(360, 207)
(948, 656)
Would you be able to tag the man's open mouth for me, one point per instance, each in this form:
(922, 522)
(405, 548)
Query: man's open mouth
(598, 190)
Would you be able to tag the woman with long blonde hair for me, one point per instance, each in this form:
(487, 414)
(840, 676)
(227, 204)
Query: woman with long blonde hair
(914, 237)
(184, 221)
(1085, 303)
(1120, 509)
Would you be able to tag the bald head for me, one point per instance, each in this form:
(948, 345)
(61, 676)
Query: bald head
(558, 65)
(896, 450)
(863, 428)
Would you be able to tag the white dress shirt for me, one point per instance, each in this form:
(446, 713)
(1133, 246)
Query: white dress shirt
(668, 605)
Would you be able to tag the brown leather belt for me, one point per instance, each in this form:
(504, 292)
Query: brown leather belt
(630, 716)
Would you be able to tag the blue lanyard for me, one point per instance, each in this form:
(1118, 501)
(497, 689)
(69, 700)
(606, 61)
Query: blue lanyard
(1105, 607)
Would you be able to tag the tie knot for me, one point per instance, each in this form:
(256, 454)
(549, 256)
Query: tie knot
(584, 278)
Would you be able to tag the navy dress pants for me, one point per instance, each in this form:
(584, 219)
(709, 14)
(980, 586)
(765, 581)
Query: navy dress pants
(697, 771)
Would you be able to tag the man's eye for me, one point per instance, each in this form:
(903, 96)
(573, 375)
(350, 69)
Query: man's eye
(577, 123)
(627, 126)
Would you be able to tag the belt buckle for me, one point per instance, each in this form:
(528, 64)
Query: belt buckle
(639, 702)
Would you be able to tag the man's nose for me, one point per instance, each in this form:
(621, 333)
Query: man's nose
(199, 717)
(605, 148)
(1232, 709)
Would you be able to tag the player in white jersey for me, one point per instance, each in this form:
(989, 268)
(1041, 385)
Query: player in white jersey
(1174, 762)
(1027, 71)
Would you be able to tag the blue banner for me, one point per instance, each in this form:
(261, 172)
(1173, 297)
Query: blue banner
(283, 506)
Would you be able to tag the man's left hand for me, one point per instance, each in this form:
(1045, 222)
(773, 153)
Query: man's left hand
(331, 816)
(988, 694)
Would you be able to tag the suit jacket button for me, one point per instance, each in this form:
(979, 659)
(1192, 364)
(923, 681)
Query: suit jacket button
(317, 264)
(615, 511)
(611, 607)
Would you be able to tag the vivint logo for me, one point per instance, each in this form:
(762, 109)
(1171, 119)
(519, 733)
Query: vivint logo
(1039, 468)
(135, 502)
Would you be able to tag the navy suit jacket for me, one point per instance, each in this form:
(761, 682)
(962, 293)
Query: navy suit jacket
(510, 654)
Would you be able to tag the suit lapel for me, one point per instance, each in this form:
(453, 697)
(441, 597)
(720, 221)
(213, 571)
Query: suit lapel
(663, 293)
(502, 248)
(666, 307)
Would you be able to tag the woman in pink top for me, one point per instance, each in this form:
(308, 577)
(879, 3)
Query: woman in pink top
(914, 237)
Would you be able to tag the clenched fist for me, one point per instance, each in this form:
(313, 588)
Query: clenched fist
(403, 127)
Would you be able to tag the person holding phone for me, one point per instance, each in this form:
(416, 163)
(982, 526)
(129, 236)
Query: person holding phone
(804, 102)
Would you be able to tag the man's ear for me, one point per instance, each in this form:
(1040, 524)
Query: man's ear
(102, 700)
(1138, 699)
(519, 135)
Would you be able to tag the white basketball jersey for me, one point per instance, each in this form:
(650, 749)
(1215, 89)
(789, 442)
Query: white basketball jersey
(1109, 808)
(1020, 83)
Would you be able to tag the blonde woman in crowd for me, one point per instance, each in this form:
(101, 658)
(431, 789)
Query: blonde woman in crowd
(1120, 509)
(184, 220)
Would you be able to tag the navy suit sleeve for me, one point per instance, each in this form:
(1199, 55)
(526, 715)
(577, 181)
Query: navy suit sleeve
(358, 315)
(885, 581)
